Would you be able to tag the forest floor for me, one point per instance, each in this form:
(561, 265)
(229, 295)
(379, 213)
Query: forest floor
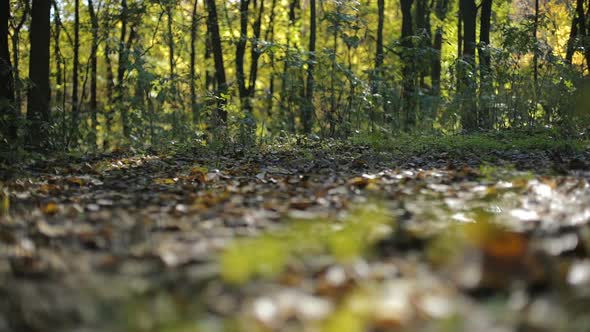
(305, 236)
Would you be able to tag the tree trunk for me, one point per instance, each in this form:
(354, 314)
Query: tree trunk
(573, 37)
(535, 54)
(171, 49)
(440, 10)
(39, 93)
(408, 71)
(270, 36)
(485, 63)
(379, 44)
(59, 98)
(220, 78)
(308, 108)
(484, 34)
(436, 67)
(108, 111)
(255, 56)
(424, 30)
(75, 72)
(16, 58)
(93, 70)
(468, 11)
(193, 56)
(8, 114)
(240, 53)
(123, 59)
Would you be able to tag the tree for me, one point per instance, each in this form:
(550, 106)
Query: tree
(240, 53)
(17, 25)
(94, 22)
(379, 55)
(38, 112)
(192, 65)
(7, 109)
(308, 108)
(485, 60)
(220, 78)
(408, 70)
(468, 12)
(440, 10)
(75, 72)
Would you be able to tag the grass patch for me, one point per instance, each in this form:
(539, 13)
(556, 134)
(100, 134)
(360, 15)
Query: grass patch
(480, 144)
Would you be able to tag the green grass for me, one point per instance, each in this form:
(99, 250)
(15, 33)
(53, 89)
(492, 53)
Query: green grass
(480, 144)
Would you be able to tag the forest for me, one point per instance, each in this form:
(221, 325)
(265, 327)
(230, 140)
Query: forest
(100, 74)
(294, 165)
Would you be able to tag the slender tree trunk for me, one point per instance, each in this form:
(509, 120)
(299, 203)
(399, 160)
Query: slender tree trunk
(425, 32)
(308, 108)
(8, 114)
(93, 70)
(270, 35)
(220, 78)
(440, 10)
(535, 54)
(123, 59)
(255, 55)
(459, 34)
(75, 72)
(18, 99)
(484, 34)
(379, 54)
(286, 96)
(436, 66)
(240, 53)
(469, 110)
(193, 56)
(171, 49)
(108, 111)
(572, 40)
(408, 71)
(485, 62)
(59, 61)
(39, 93)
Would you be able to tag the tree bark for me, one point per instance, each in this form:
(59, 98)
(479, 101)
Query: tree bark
(408, 70)
(8, 113)
(424, 31)
(193, 56)
(75, 71)
(468, 11)
(440, 11)
(379, 44)
(16, 29)
(39, 93)
(241, 52)
(485, 62)
(484, 34)
(93, 69)
(308, 108)
(122, 65)
(220, 78)
(255, 56)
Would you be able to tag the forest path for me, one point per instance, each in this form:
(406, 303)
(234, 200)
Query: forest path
(328, 237)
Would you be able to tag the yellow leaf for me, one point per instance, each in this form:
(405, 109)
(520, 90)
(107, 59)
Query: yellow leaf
(50, 208)
(4, 205)
(164, 181)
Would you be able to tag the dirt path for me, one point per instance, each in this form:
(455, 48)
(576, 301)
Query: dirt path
(337, 238)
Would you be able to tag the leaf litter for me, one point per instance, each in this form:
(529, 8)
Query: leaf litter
(335, 238)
